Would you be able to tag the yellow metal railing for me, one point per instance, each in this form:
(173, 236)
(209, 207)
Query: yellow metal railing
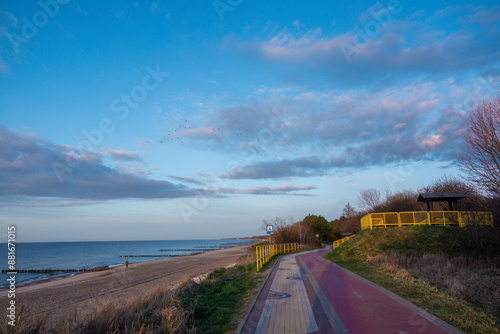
(265, 253)
(461, 218)
(339, 242)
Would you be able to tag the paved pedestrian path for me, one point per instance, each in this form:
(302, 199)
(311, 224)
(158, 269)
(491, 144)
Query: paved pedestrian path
(305, 293)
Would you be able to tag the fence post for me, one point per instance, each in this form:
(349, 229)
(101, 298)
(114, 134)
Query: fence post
(258, 258)
(399, 219)
(261, 255)
(428, 217)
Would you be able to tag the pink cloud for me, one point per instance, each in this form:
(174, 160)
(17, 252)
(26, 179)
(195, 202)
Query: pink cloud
(199, 133)
(399, 126)
(432, 141)
(122, 155)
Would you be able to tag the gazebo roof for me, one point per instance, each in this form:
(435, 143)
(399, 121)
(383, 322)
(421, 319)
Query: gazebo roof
(440, 197)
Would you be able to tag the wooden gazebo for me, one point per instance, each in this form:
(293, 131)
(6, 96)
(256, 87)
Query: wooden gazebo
(450, 198)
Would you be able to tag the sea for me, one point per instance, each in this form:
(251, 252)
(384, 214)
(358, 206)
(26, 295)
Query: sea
(92, 254)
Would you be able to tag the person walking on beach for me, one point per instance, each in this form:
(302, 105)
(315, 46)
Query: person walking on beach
(126, 264)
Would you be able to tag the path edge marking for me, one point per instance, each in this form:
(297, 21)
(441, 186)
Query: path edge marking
(334, 319)
(250, 309)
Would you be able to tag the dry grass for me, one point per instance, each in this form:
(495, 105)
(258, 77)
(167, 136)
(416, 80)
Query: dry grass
(160, 311)
(249, 256)
(469, 278)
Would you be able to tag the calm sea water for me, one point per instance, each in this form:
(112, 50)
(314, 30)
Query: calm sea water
(84, 255)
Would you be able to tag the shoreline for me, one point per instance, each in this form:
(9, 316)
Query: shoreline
(60, 275)
(64, 279)
(56, 276)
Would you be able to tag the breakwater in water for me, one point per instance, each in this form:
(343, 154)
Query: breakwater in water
(153, 255)
(38, 261)
(189, 250)
(53, 271)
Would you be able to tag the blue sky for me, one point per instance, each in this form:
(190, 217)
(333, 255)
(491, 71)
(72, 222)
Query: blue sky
(179, 120)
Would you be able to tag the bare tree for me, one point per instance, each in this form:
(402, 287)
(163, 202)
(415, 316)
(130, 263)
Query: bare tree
(451, 184)
(481, 157)
(369, 198)
(348, 211)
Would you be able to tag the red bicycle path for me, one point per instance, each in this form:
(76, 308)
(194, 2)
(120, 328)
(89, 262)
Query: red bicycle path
(343, 302)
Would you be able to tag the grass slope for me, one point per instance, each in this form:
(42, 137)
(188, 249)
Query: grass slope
(453, 273)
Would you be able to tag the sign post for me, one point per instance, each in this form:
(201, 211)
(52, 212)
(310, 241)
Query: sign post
(269, 230)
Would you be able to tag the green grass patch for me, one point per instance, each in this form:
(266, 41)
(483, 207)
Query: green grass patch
(419, 240)
(218, 299)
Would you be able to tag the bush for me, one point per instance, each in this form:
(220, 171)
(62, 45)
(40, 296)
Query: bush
(289, 232)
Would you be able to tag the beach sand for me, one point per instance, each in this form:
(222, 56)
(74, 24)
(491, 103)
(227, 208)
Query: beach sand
(84, 292)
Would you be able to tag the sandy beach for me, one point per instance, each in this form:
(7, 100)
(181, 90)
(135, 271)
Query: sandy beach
(83, 292)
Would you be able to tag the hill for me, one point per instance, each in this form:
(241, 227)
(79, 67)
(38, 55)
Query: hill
(451, 272)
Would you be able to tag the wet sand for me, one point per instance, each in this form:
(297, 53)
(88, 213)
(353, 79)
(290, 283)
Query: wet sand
(83, 292)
